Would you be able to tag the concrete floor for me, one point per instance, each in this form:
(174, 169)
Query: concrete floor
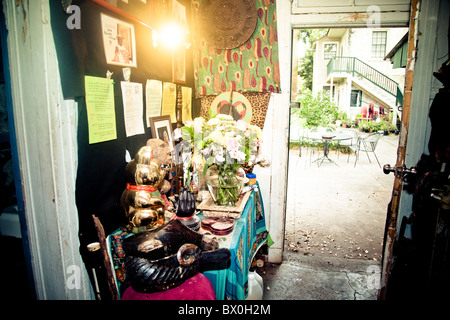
(335, 217)
(302, 277)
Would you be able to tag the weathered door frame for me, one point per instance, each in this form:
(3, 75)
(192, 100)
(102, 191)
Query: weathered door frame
(15, 157)
(393, 210)
(423, 58)
(45, 127)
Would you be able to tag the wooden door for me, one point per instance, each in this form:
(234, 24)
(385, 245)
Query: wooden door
(391, 220)
(424, 57)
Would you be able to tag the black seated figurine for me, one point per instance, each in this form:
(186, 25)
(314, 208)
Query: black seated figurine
(164, 258)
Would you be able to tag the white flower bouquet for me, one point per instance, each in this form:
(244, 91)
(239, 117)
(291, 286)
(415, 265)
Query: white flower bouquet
(222, 145)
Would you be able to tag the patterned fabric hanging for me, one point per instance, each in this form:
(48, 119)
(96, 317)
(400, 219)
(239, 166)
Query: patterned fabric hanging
(259, 103)
(251, 67)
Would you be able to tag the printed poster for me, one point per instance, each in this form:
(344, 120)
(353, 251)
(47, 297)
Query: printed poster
(133, 107)
(153, 94)
(169, 101)
(100, 109)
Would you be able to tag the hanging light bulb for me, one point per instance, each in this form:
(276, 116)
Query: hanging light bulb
(168, 32)
(171, 35)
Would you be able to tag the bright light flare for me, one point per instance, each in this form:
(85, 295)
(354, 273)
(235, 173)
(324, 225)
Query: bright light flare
(171, 35)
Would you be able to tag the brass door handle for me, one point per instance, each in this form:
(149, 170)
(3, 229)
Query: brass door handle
(399, 171)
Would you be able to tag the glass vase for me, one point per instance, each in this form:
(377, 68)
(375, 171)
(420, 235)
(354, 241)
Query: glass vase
(223, 184)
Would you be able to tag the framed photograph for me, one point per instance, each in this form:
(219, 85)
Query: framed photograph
(179, 66)
(139, 11)
(161, 128)
(119, 41)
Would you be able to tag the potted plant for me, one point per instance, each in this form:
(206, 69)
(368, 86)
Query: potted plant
(375, 126)
(392, 128)
(357, 119)
(365, 125)
(342, 119)
(385, 126)
(347, 123)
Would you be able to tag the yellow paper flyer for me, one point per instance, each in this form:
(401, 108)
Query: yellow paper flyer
(169, 101)
(100, 109)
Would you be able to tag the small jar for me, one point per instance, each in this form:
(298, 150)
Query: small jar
(252, 178)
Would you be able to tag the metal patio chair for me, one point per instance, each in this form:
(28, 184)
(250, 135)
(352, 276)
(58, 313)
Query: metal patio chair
(368, 144)
(311, 145)
(349, 143)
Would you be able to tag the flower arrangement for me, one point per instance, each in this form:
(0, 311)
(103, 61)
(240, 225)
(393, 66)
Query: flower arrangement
(222, 145)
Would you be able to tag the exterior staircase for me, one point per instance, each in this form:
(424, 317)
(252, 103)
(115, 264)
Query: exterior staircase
(372, 89)
(369, 79)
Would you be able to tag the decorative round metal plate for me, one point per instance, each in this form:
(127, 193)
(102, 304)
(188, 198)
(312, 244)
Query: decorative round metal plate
(227, 24)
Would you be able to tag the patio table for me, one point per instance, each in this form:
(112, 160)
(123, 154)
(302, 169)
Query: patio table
(326, 138)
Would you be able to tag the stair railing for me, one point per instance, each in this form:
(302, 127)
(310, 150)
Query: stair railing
(355, 66)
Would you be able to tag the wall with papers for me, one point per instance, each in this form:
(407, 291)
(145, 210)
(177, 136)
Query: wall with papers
(108, 64)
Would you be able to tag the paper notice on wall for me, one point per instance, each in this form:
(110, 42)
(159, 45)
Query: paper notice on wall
(169, 101)
(153, 94)
(187, 104)
(133, 107)
(100, 109)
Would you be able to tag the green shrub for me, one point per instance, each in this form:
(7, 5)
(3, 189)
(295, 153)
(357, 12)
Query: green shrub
(317, 111)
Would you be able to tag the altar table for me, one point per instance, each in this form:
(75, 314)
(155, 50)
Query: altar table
(248, 236)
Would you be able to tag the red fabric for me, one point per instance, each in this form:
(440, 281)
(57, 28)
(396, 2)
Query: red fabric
(364, 111)
(141, 187)
(197, 287)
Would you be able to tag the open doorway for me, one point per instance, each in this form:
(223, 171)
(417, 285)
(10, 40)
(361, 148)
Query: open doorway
(337, 208)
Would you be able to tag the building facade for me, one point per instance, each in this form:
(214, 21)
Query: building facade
(350, 63)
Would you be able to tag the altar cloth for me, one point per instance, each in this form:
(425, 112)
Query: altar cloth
(198, 287)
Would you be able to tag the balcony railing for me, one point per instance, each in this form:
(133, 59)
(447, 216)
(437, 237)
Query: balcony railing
(355, 66)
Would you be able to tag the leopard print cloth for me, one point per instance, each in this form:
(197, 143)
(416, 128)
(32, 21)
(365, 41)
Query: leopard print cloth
(259, 101)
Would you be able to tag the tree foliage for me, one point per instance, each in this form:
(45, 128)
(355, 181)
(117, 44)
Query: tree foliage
(315, 111)
(305, 65)
(305, 69)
